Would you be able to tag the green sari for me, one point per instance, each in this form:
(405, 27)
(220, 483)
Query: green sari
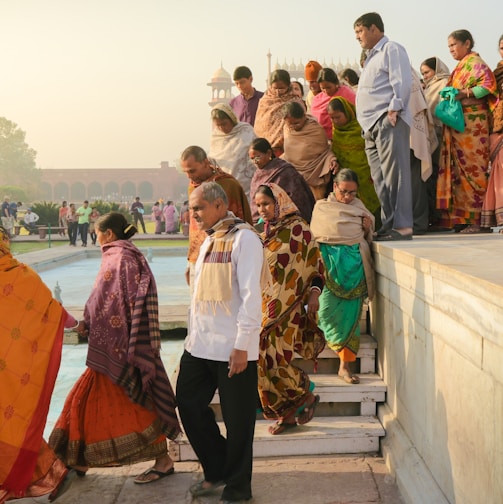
(341, 301)
(348, 146)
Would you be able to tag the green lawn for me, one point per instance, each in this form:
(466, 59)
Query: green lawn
(23, 247)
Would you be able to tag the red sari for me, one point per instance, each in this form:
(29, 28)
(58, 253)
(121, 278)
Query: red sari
(122, 408)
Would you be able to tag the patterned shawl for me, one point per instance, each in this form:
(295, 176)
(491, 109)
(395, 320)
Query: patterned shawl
(432, 89)
(472, 71)
(308, 151)
(288, 178)
(294, 259)
(269, 119)
(238, 205)
(498, 111)
(338, 223)
(31, 325)
(348, 146)
(230, 153)
(124, 337)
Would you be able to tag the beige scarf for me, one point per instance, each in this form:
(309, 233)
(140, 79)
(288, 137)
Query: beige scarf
(339, 223)
(214, 286)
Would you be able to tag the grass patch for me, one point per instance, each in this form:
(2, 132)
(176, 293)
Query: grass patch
(24, 247)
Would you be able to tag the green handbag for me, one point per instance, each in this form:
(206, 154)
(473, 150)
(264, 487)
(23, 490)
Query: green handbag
(449, 110)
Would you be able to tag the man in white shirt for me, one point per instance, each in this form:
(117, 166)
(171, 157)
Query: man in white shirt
(222, 346)
(29, 221)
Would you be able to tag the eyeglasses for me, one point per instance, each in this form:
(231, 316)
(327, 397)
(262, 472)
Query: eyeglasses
(346, 193)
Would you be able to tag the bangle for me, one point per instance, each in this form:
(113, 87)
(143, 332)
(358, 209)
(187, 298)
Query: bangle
(76, 325)
(468, 93)
(315, 287)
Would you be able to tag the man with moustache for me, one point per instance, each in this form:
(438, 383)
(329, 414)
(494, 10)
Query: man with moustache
(197, 167)
(222, 344)
(382, 109)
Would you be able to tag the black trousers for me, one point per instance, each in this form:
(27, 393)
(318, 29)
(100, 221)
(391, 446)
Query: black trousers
(227, 458)
(72, 232)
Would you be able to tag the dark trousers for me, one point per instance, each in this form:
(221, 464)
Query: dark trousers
(83, 232)
(420, 208)
(137, 216)
(223, 459)
(388, 153)
(72, 232)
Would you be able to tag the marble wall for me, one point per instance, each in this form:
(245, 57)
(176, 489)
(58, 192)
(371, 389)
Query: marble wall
(439, 328)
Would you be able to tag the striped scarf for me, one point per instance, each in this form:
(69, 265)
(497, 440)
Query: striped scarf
(214, 286)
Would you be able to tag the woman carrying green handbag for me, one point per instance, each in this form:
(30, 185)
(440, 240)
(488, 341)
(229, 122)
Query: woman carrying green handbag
(464, 158)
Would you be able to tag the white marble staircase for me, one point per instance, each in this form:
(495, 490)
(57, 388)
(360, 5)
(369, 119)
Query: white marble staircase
(345, 419)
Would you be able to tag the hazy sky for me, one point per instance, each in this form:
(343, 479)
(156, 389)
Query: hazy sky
(122, 83)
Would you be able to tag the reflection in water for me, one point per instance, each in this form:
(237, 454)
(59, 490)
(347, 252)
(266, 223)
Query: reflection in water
(76, 280)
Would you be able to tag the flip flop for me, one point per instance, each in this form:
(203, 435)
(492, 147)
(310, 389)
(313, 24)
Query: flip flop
(393, 235)
(153, 471)
(308, 412)
(279, 427)
(351, 379)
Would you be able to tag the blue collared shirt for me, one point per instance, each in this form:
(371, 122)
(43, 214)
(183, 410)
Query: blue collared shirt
(385, 84)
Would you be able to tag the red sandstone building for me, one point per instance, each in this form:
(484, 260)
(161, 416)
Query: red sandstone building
(118, 184)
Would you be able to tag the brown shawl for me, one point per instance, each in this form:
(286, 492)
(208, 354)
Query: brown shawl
(309, 152)
(269, 119)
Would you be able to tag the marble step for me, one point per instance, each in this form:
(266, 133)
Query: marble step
(328, 360)
(321, 436)
(338, 398)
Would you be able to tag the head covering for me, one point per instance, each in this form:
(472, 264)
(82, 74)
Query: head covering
(4, 242)
(312, 70)
(284, 205)
(227, 109)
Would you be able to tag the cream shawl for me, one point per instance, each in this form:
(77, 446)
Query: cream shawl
(230, 152)
(423, 139)
(339, 223)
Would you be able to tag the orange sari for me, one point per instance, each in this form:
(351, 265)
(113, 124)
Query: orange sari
(31, 324)
(464, 160)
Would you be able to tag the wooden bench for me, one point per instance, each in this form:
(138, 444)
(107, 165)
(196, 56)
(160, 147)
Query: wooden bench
(44, 230)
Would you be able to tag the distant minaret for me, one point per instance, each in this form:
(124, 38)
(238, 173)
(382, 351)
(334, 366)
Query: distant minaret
(269, 55)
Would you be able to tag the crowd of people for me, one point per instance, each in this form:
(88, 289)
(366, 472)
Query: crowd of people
(280, 217)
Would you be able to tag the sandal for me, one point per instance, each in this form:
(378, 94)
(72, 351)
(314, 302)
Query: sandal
(474, 229)
(350, 378)
(157, 475)
(308, 411)
(280, 426)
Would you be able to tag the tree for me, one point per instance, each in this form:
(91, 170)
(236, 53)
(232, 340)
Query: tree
(17, 159)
